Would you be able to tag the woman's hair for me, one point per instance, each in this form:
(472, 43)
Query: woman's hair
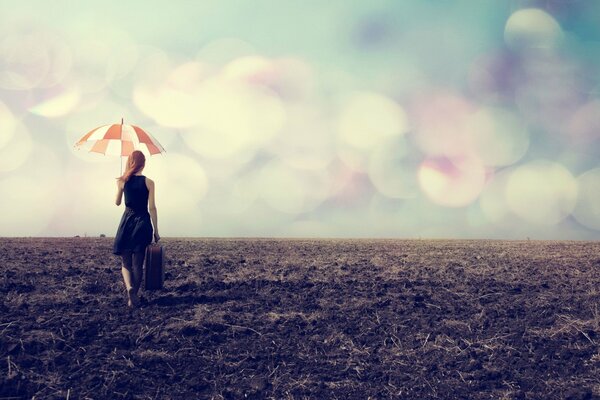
(135, 163)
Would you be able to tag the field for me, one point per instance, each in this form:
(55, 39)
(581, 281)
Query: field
(300, 319)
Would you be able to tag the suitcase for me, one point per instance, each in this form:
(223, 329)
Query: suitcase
(154, 267)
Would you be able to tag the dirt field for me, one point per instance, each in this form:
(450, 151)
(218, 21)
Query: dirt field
(318, 319)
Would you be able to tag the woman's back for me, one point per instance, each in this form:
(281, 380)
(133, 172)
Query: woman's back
(136, 193)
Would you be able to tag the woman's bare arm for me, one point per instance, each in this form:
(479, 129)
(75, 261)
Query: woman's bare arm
(152, 207)
(120, 186)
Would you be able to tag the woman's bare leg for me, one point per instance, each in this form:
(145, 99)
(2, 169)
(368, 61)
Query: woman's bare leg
(129, 279)
(138, 263)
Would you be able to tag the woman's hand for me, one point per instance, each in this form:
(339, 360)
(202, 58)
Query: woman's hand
(156, 237)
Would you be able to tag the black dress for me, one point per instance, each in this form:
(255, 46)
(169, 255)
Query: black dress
(135, 230)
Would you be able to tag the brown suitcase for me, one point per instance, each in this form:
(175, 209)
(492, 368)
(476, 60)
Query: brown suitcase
(154, 267)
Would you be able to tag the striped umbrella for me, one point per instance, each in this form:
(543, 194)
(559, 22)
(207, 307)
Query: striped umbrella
(120, 140)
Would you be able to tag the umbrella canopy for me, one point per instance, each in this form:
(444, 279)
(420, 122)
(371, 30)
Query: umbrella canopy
(120, 140)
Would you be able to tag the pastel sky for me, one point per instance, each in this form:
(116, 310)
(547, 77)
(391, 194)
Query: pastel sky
(409, 119)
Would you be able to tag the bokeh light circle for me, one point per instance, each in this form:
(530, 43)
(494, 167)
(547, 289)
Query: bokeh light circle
(233, 119)
(532, 28)
(289, 190)
(452, 182)
(183, 180)
(60, 59)
(22, 192)
(153, 67)
(584, 125)
(233, 198)
(541, 192)
(90, 209)
(7, 125)
(392, 168)
(492, 76)
(223, 50)
(91, 65)
(36, 59)
(24, 61)
(366, 119)
(124, 52)
(181, 184)
(250, 69)
(17, 145)
(497, 137)
(492, 200)
(441, 120)
(296, 80)
(355, 158)
(58, 105)
(174, 102)
(291, 78)
(102, 57)
(305, 142)
(587, 208)
(21, 195)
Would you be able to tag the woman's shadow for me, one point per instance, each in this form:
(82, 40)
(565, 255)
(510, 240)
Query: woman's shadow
(170, 300)
(210, 295)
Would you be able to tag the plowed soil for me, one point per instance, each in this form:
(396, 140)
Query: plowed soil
(300, 319)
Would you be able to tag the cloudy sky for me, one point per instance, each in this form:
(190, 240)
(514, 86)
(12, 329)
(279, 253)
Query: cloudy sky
(410, 119)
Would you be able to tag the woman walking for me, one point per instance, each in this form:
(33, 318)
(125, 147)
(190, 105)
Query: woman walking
(135, 229)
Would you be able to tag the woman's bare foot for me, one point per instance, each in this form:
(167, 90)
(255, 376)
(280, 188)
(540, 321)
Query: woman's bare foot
(132, 299)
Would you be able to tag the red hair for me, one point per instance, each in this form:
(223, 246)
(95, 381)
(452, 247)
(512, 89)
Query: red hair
(135, 162)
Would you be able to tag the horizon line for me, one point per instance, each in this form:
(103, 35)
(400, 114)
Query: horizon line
(358, 238)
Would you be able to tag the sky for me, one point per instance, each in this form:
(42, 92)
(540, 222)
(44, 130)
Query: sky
(370, 119)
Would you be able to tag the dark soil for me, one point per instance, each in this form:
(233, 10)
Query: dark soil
(299, 319)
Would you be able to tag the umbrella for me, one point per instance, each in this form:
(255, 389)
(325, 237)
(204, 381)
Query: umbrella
(120, 140)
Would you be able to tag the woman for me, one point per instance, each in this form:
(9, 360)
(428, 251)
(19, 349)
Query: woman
(135, 230)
